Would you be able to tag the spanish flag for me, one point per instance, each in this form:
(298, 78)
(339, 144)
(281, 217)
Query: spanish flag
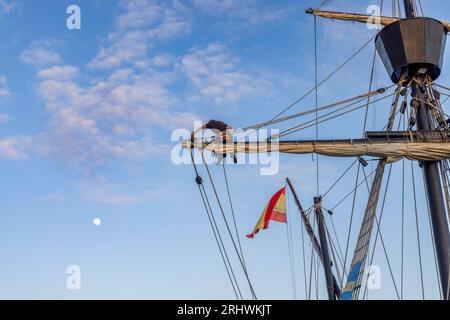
(275, 210)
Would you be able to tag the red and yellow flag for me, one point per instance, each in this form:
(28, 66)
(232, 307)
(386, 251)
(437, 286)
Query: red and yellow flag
(275, 210)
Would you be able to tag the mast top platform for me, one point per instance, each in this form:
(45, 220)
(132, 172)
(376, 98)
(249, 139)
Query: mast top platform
(412, 46)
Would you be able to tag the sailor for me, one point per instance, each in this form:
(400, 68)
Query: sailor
(222, 131)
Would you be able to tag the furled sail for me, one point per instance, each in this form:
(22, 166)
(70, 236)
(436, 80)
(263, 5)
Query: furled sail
(391, 150)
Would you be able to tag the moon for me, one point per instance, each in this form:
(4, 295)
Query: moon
(97, 221)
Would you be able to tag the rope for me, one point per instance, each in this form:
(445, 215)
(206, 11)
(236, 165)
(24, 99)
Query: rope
(421, 8)
(399, 8)
(228, 229)
(304, 259)
(379, 234)
(417, 231)
(311, 123)
(351, 220)
(312, 263)
(378, 221)
(322, 4)
(233, 214)
(291, 251)
(432, 237)
(403, 231)
(317, 264)
(360, 98)
(332, 247)
(374, 59)
(224, 255)
(343, 199)
(340, 254)
(342, 176)
(315, 87)
(216, 233)
(441, 86)
(316, 101)
(384, 246)
(403, 208)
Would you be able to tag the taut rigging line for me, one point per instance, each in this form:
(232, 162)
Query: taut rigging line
(218, 236)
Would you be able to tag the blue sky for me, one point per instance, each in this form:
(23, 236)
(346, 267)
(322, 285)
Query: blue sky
(85, 123)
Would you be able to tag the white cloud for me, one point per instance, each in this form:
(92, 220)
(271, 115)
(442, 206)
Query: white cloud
(3, 117)
(7, 6)
(142, 23)
(40, 54)
(58, 72)
(119, 112)
(4, 91)
(139, 13)
(113, 117)
(128, 47)
(101, 191)
(54, 197)
(217, 5)
(216, 75)
(9, 148)
(248, 12)
(122, 111)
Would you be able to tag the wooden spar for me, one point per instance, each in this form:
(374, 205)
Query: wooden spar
(363, 18)
(310, 232)
(326, 261)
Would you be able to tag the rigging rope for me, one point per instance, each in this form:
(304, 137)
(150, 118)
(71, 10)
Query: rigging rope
(417, 231)
(223, 253)
(229, 230)
(384, 247)
(343, 199)
(445, 170)
(304, 258)
(378, 234)
(217, 236)
(332, 247)
(312, 263)
(317, 279)
(372, 73)
(402, 232)
(340, 254)
(290, 249)
(374, 59)
(371, 211)
(322, 4)
(351, 221)
(316, 102)
(311, 123)
(314, 88)
(233, 214)
(340, 177)
(359, 98)
(432, 237)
